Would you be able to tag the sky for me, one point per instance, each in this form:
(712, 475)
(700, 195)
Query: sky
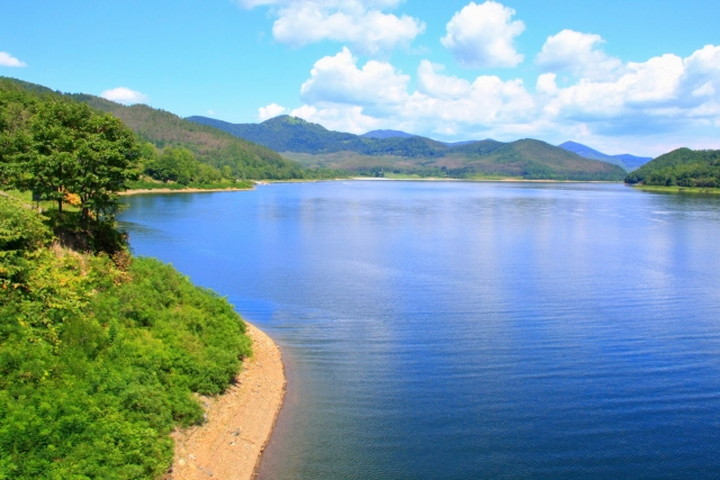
(621, 76)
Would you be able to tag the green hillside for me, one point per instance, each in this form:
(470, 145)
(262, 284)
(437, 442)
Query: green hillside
(99, 362)
(680, 168)
(180, 151)
(314, 146)
(101, 355)
(209, 145)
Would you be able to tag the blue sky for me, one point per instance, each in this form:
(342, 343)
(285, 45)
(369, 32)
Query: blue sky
(636, 76)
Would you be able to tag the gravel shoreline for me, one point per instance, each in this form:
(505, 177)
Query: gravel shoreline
(239, 422)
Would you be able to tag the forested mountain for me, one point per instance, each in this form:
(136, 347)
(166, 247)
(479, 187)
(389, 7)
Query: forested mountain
(292, 134)
(387, 134)
(183, 151)
(244, 159)
(682, 168)
(395, 152)
(627, 161)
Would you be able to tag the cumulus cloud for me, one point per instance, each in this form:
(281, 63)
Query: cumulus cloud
(667, 98)
(701, 77)
(361, 24)
(339, 91)
(662, 98)
(433, 83)
(577, 53)
(338, 79)
(124, 95)
(345, 118)
(7, 60)
(270, 111)
(482, 35)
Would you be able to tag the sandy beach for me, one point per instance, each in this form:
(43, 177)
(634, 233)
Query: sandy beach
(239, 422)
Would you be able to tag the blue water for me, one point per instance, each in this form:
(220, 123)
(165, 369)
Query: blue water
(469, 330)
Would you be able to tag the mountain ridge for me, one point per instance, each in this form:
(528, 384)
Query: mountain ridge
(401, 153)
(627, 161)
(218, 152)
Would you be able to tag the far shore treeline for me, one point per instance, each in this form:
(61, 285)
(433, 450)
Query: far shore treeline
(102, 355)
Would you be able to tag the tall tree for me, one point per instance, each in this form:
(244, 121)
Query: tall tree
(76, 151)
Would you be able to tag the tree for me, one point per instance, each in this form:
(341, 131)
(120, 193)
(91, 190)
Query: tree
(16, 107)
(75, 150)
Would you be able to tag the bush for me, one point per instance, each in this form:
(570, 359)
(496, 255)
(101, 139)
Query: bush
(97, 366)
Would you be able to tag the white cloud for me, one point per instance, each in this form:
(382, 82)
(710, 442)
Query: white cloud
(338, 79)
(434, 84)
(667, 99)
(124, 95)
(362, 24)
(482, 35)
(344, 118)
(7, 60)
(377, 95)
(270, 111)
(700, 81)
(647, 106)
(577, 53)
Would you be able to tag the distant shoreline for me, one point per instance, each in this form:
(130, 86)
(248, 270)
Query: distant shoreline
(477, 180)
(149, 191)
(239, 422)
(142, 191)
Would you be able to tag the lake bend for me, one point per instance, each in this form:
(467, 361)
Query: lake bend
(460, 330)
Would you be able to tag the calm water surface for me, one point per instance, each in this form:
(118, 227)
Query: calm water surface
(469, 330)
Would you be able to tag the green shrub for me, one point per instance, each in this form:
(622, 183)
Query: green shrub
(97, 366)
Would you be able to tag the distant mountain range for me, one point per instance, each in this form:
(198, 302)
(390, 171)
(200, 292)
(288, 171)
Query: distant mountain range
(627, 161)
(311, 151)
(384, 152)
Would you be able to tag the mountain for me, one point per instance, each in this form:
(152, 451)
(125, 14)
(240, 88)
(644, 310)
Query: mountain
(382, 134)
(682, 168)
(210, 145)
(291, 134)
(215, 149)
(627, 161)
(386, 152)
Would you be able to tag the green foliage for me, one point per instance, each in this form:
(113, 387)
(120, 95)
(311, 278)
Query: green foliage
(218, 156)
(98, 365)
(680, 168)
(233, 157)
(21, 233)
(74, 150)
(67, 153)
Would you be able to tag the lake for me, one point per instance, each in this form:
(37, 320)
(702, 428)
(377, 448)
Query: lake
(458, 330)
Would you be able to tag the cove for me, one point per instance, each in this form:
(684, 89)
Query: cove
(462, 330)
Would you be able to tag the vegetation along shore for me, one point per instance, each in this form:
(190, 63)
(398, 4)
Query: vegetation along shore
(103, 355)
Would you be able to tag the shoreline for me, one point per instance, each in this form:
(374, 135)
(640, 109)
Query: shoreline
(229, 445)
(142, 191)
